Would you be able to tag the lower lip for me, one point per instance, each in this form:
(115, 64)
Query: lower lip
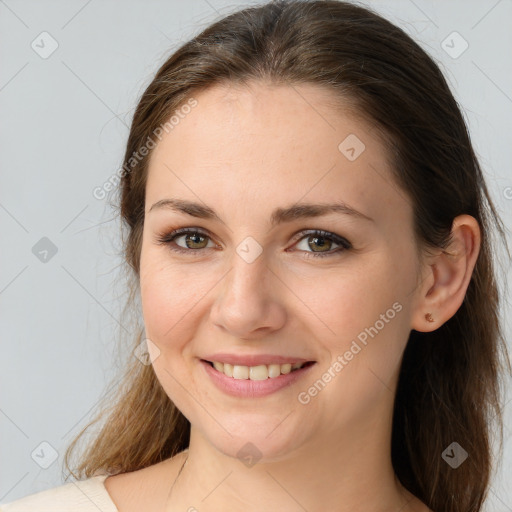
(253, 388)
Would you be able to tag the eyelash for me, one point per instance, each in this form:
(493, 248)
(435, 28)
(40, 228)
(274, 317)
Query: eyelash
(168, 239)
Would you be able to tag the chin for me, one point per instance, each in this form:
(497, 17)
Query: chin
(261, 440)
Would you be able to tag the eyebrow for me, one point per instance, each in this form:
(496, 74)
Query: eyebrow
(279, 215)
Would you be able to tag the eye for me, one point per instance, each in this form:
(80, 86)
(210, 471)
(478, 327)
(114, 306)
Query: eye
(192, 240)
(324, 240)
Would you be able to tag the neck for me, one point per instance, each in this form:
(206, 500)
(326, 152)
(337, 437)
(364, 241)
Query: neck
(331, 472)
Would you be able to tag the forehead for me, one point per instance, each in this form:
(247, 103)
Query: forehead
(272, 145)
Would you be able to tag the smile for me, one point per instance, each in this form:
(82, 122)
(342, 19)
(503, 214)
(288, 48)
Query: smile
(259, 372)
(254, 381)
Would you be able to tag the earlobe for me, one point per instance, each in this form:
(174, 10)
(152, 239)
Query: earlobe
(450, 271)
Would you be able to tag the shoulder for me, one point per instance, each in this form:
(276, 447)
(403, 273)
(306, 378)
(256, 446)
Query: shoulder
(143, 489)
(87, 495)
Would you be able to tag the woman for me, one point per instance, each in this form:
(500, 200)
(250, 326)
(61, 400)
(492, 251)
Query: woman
(309, 232)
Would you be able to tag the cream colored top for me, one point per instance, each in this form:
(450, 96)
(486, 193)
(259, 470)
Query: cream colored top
(88, 495)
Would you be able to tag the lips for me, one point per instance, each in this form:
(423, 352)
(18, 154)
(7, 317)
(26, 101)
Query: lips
(244, 385)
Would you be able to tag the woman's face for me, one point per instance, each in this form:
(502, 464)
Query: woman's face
(256, 286)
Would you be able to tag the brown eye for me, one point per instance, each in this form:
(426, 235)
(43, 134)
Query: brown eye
(193, 240)
(323, 241)
(190, 240)
(317, 243)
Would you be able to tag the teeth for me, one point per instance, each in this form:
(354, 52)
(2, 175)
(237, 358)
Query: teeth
(260, 372)
(274, 370)
(240, 372)
(286, 368)
(228, 369)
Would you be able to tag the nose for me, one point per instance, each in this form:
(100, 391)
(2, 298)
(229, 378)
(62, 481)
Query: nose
(248, 304)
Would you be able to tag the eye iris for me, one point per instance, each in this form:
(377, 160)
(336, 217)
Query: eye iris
(194, 236)
(322, 244)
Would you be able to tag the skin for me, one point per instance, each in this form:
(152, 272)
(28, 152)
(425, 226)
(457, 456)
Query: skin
(244, 151)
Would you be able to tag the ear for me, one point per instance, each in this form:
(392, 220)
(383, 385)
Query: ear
(446, 276)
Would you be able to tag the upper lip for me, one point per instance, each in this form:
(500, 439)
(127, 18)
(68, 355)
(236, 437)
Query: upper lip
(254, 359)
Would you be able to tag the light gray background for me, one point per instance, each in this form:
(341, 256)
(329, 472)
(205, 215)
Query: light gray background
(63, 128)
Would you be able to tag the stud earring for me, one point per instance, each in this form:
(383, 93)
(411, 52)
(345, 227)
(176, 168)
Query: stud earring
(428, 317)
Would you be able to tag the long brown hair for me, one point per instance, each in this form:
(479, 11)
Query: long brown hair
(449, 388)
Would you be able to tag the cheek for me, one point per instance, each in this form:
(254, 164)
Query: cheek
(375, 322)
(172, 296)
(347, 301)
(366, 311)
(166, 295)
(172, 309)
